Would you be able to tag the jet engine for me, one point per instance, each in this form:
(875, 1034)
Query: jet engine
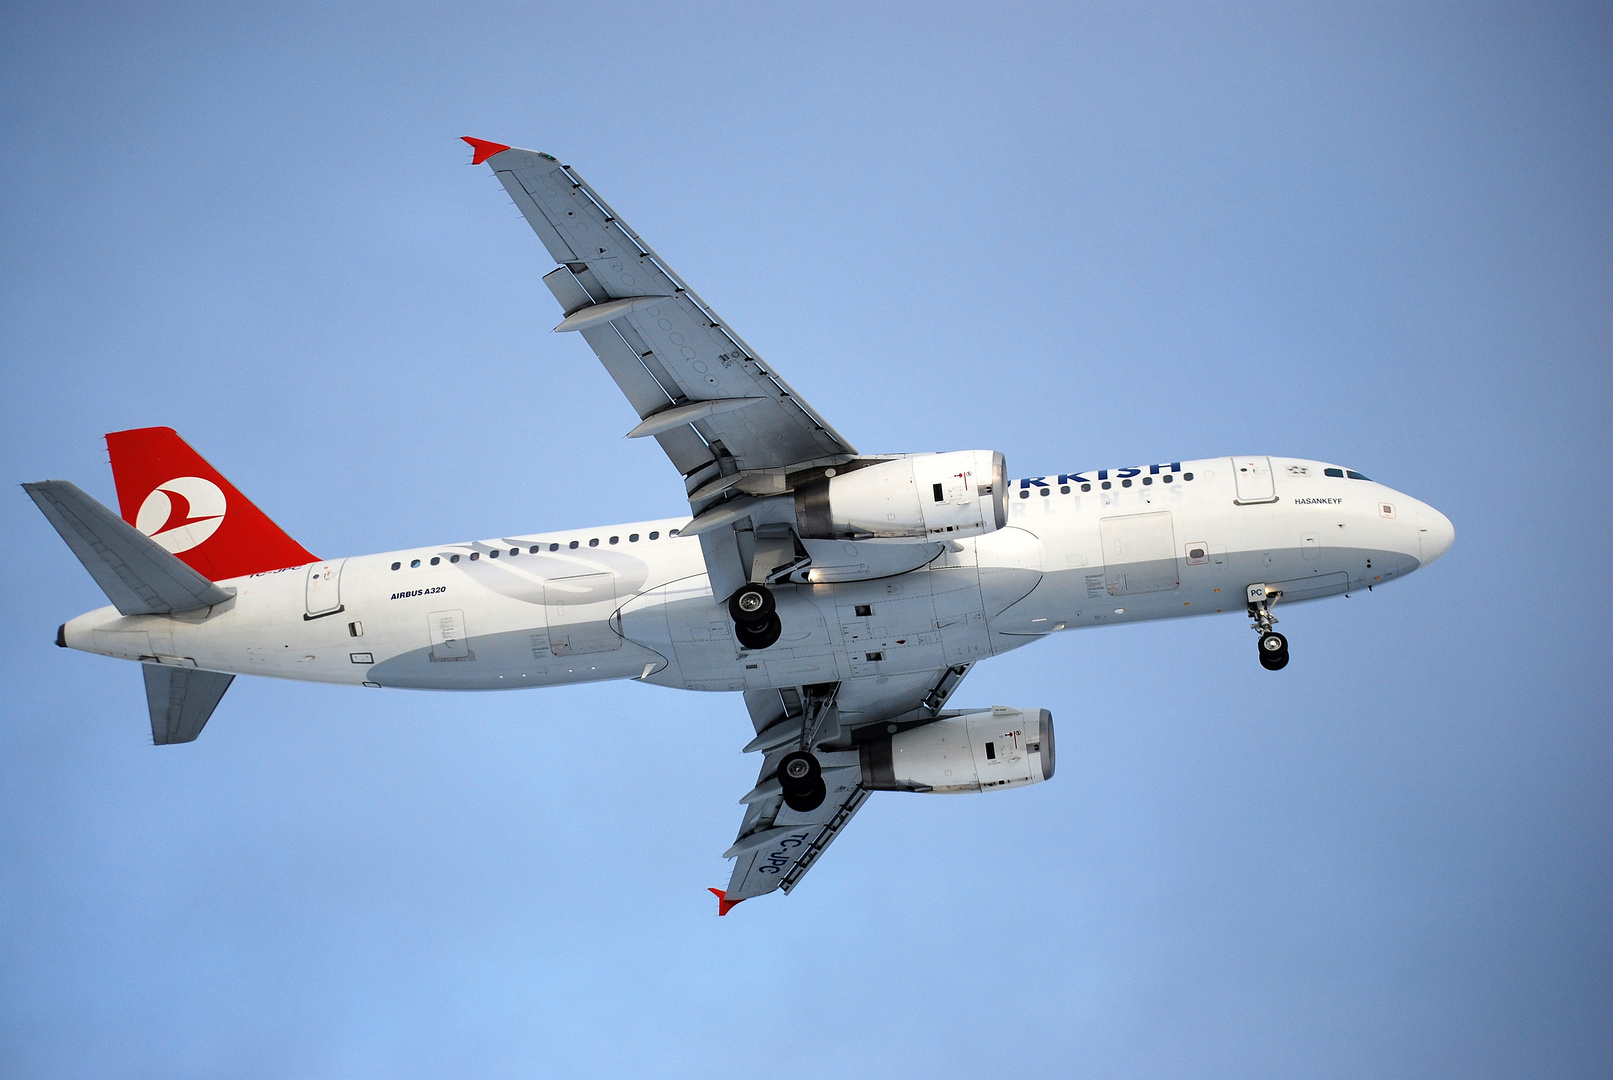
(927, 496)
(977, 751)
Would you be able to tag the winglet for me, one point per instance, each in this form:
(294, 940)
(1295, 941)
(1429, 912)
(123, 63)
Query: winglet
(483, 149)
(724, 905)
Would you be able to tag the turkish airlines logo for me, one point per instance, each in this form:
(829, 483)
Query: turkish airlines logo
(181, 513)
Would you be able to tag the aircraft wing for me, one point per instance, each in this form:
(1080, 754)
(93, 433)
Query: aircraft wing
(716, 408)
(777, 845)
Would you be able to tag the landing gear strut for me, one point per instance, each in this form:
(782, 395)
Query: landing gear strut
(756, 623)
(1273, 646)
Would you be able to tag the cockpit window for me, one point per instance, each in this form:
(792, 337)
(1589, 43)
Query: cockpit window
(1353, 475)
(1334, 472)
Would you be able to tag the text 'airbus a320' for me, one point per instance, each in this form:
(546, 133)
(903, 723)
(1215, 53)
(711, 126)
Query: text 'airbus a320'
(846, 595)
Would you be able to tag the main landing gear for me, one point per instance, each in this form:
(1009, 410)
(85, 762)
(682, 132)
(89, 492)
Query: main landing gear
(1273, 646)
(801, 778)
(756, 623)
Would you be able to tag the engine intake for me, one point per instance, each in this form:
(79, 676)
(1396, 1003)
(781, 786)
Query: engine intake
(928, 496)
(977, 751)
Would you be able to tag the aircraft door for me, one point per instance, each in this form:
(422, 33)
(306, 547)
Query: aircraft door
(579, 610)
(1255, 484)
(324, 591)
(1139, 553)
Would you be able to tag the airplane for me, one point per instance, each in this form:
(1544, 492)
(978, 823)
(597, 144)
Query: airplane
(844, 595)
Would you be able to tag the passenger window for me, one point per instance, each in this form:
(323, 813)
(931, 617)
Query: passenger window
(1147, 480)
(396, 565)
(1353, 475)
(554, 547)
(655, 536)
(1064, 489)
(415, 564)
(435, 560)
(1023, 494)
(574, 545)
(632, 538)
(1167, 478)
(1107, 485)
(475, 555)
(1086, 487)
(614, 539)
(534, 549)
(1338, 473)
(594, 542)
(1046, 492)
(491, 554)
(1187, 476)
(671, 534)
(453, 558)
(515, 551)
(1125, 483)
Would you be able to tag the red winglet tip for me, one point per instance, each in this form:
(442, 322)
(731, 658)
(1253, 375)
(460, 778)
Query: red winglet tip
(483, 149)
(724, 905)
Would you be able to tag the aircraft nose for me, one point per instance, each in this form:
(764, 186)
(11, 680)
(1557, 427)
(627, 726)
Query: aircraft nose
(1435, 533)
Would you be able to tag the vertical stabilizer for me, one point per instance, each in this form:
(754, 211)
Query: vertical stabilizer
(169, 492)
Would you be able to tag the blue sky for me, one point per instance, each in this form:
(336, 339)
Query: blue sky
(1378, 235)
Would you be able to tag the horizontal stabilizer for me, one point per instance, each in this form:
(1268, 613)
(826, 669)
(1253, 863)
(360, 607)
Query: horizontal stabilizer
(137, 575)
(181, 700)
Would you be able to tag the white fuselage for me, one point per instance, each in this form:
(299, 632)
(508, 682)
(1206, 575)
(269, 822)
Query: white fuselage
(610, 603)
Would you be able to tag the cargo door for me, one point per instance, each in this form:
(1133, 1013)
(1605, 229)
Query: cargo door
(579, 611)
(448, 639)
(324, 591)
(1255, 484)
(1139, 553)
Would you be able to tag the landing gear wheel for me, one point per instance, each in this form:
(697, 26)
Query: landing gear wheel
(808, 801)
(801, 777)
(759, 635)
(1273, 651)
(752, 604)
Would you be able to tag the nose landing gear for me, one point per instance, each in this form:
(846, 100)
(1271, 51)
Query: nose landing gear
(1273, 651)
(756, 623)
(1273, 646)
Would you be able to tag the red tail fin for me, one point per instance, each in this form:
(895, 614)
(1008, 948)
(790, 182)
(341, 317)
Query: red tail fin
(170, 493)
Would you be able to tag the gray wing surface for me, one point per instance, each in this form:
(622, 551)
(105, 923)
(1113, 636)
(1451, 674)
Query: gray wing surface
(776, 845)
(733, 428)
(181, 700)
(135, 572)
(698, 389)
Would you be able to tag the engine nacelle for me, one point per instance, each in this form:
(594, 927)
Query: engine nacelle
(928, 496)
(978, 751)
